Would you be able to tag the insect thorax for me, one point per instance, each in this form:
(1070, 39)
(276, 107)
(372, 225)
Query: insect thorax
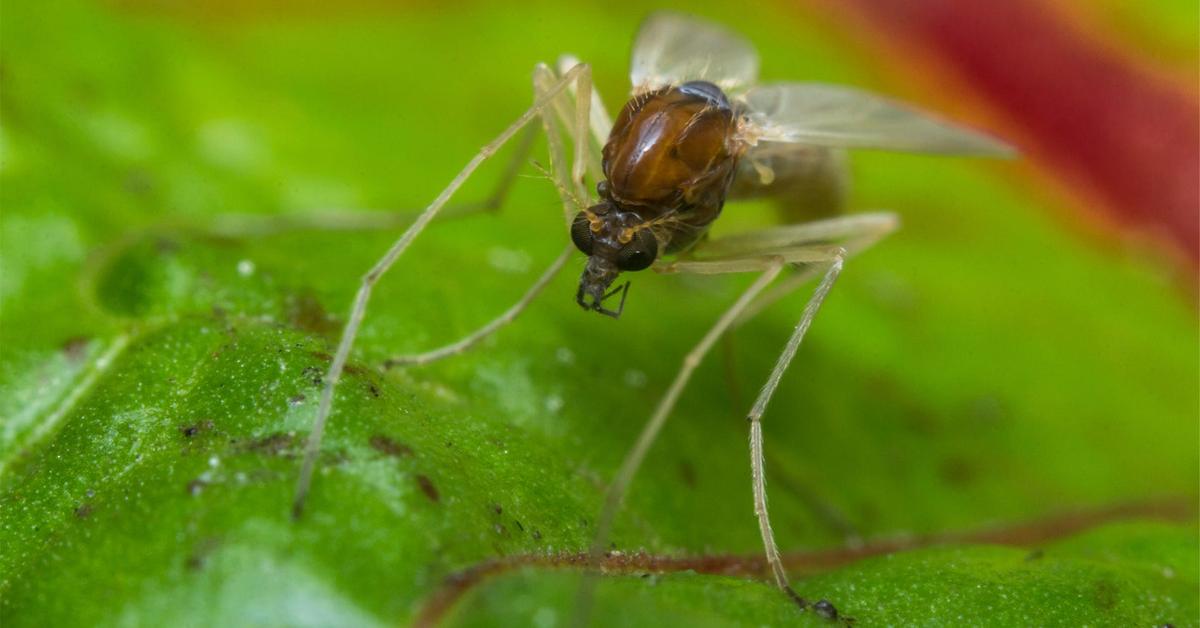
(670, 159)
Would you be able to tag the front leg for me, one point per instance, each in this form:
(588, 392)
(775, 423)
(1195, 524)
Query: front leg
(543, 80)
(359, 308)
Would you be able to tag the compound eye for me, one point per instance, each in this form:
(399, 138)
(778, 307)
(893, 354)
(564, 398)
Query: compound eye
(581, 233)
(639, 254)
(602, 188)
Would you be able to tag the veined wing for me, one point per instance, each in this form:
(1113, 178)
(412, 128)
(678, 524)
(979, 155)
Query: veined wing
(835, 116)
(672, 48)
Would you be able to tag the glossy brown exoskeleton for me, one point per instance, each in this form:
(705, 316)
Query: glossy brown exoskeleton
(668, 165)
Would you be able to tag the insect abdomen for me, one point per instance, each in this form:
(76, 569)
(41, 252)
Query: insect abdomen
(806, 182)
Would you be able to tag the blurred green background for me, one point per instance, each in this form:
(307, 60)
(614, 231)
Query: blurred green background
(987, 365)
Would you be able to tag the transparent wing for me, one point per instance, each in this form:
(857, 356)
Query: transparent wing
(829, 115)
(672, 48)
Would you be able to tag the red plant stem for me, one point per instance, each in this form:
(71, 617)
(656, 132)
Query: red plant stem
(458, 584)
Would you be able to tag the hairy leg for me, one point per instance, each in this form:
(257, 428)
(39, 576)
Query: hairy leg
(757, 463)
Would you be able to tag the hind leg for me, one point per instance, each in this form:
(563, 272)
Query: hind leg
(853, 232)
(767, 251)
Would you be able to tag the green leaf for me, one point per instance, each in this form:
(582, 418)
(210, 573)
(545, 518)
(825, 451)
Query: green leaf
(986, 365)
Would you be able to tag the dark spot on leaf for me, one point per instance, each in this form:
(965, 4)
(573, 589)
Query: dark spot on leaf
(297, 399)
(868, 514)
(916, 416)
(349, 369)
(1033, 555)
(126, 286)
(276, 444)
(1105, 594)
(374, 390)
(496, 508)
(314, 375)
(138, 183)
(986, 411)
(824, 608)
(195, 561)
(84, 510)
(194, 429)
(305, 312)
(389, 447)
(537, 534)
(428, 488)
(75, 347)
(519, 526)
(165, 246)
(687, 473)
(957, 471)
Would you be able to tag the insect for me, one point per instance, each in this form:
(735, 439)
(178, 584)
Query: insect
(697, 131)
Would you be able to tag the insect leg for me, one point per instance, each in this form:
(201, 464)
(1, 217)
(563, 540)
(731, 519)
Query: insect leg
(601, 121)
(583, 104)
(574, 110)
(855, 233)
(543, 79)
(345, 219)
(770, 267)
(769, 250)
(561, 110)
(823, 256)
(499, 194)
(359, 308)
(757, 462)
(475, 337)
